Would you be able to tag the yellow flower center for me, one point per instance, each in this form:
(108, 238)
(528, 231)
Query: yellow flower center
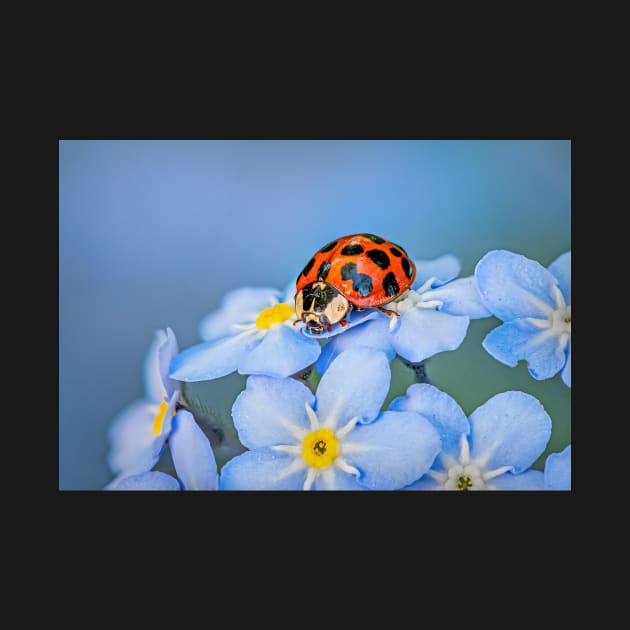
(464, 482)
(319, 448)
(158, 421)
(273, 315)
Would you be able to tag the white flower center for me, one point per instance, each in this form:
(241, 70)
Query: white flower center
(465, 474)
(415, 298)
(464, 478)
(558, 321)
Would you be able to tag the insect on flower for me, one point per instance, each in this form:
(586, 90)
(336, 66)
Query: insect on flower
(356, 271)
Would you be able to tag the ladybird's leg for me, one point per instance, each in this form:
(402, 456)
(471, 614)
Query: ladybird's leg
(387, 311)
(328, 327)
(297, 321)
(343, 322)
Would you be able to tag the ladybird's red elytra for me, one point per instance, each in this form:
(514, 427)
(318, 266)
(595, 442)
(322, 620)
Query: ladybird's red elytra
(355, 271)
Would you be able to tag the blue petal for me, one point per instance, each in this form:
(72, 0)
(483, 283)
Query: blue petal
(443, 269)
(373, 334)
(153, 381)
(332, 478)
(132, 439)
(459, 297)
(282, 352)
(261, 469)
(112, 484)
(425, 332)
(212, 359)
(271, 411)
(514, 286)
(238, 306)
(439, 409)
(153, 480)
(354, 318)
(424, 483)
(393, 451)
(521, 340)
(560, 268)
(355, 384)
(512, 428)
(192, 454)
(166, 352)
(566, 372)
(529, 480)
(558, 470)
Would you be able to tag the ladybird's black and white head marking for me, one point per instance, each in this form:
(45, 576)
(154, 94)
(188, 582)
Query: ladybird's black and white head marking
(319, 305)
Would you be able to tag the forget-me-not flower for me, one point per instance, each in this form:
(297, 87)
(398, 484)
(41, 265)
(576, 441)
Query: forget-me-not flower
(491, 450)
(138, 434)
(336, 440)
(253, 332)
(194, 461)
(557, 474)
(535, 304)
(433, 317)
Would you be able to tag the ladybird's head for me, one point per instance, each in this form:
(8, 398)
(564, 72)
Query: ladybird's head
(319, 305)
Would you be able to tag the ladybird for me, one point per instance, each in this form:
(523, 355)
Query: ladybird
(357, 271)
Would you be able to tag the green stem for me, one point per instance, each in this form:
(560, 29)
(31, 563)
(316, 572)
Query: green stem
(419, 370)
(404, 374)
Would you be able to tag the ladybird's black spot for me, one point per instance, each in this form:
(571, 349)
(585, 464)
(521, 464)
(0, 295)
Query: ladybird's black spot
(377, 239)
(379, 258)
(323, 270)
(348, 271)
(361, 282)
(352, 249)
(307, 267)
(328, 247)
(390, 285)
(406, 267)
(395, 251)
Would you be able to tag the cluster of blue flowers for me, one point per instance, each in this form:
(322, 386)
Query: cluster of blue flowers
(337, 435)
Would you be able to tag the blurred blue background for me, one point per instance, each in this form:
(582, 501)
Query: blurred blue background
(153, 233)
